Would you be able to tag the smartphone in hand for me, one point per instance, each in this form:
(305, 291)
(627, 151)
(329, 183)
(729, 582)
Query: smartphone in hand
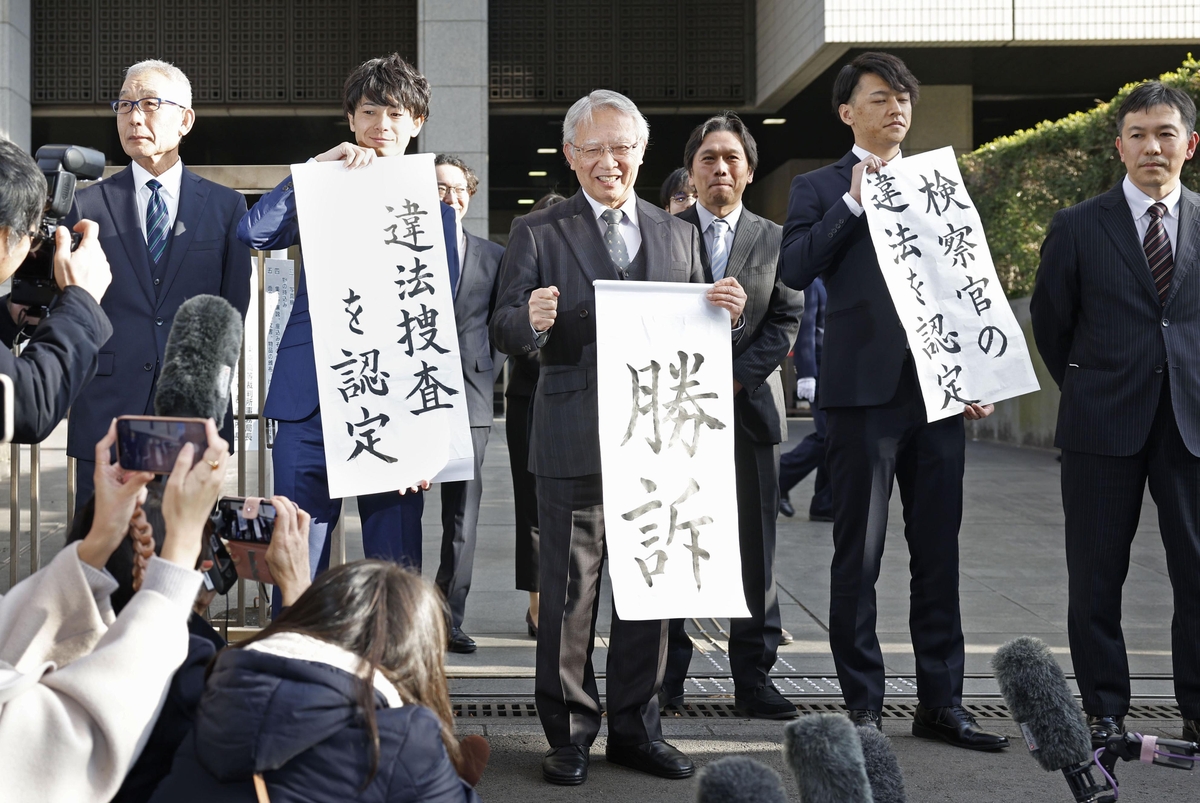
(152, 443)
(247, 526)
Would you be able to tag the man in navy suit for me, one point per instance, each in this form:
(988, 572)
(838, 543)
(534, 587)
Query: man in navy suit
(809, 454)
(1116, 316)
(168, 235)
(877, 432)
(386, 102)
(474, 300)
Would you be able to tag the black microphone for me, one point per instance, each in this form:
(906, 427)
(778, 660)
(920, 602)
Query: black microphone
(1052, 723)
(739, 779)
(198, 361)
(826, 755)
(883, 771)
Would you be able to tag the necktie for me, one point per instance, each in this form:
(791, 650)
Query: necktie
(1158, 252)
(720, 251)
(613, 240)
(156, 222)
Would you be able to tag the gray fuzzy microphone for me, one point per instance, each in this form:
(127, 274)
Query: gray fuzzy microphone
(883, 771)
(826, 755)
(198, 361)
(739, 779)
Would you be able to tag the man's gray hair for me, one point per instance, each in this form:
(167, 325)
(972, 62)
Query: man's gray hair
(581, 112)
(183, 86)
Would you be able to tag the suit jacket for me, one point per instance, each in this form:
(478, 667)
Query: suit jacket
(204, 257)
(771, 319)
(273, 224)
(473, 305)
(864, 347)
(1103, 333)
(561, 246)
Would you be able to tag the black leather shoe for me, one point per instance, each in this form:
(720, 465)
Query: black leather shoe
(866, 718)
(460, 641)
(785, 506)
(656, 758)
(1191, 730)
(785, 637)
(765, 702)
(955, 726)
(566, 766)
(1104, 726)
(529, 625)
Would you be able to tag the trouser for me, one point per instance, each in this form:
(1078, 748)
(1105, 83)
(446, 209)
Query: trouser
(460, 523)
(516, 430)
(806, 457)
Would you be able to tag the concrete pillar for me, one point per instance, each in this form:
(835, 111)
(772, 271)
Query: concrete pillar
(942, 117)
(452, 51)
(15, 33)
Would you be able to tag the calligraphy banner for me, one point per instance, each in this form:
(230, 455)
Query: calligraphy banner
(931, 248)
(393, 407)
(665, 383)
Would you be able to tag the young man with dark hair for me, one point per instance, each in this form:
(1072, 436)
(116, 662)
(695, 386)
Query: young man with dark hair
(877, 431)
(386, 102)
(1116, 316)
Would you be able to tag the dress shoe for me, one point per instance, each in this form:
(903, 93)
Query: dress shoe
(566, 766)
(529, 625)
(866, 718)
(785, 506)
(460, 641)
(656, 758)
(785, 637)
(1104, 726)
(955, 726)
(828, 517)
(765, 702)
(1191, 730)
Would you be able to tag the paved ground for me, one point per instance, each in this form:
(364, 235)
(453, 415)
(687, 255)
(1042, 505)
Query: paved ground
(1013, 582)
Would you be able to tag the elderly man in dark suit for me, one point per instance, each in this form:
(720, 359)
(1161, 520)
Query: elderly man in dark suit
(721, 156)
(877, 430)
(168, 235)
(547, 301)
(1116, 316)
(474, 300)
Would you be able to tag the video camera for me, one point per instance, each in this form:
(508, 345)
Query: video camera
(33, 284)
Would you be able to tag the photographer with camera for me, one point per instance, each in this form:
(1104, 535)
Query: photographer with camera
(61, 356)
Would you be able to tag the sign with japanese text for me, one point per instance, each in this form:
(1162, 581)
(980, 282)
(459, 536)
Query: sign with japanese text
(393, 407)
(665, 384)
(965, 340)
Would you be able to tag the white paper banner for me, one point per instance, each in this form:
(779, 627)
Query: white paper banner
(931, 248)
(393, 403)
(666, 449)
(280, 287)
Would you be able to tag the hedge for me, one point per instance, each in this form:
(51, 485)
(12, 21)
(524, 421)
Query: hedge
(1018, 182)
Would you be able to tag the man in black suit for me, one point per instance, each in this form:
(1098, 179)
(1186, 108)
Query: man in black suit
(1116, 316)
(168, 235)
(876, 425)
(721, 156)
(546, 301)
(474, 300)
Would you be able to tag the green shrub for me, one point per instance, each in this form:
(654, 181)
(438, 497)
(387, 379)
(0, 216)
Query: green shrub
(1018, 182)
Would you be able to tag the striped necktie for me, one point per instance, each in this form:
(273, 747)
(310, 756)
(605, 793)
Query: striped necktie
(1158, 252)
(614, 242)
(156, 222)
(720, 250)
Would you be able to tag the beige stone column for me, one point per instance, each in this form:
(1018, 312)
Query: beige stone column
(14, 71)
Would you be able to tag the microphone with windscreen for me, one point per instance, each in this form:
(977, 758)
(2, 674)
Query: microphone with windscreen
(739, 779)
(1036, 692)
(198, 361)
(883, 771)
(826, 756)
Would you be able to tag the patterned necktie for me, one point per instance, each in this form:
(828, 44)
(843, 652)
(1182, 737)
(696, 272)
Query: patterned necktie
(720, 251)
(1158, 252)
(613, 240)
(156, 222)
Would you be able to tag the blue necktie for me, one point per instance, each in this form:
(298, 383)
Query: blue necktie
(156, 222)
(720, 251)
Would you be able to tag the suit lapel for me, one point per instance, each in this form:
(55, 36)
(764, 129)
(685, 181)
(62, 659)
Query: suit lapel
(193, 195)
(582, 235)
(120, 197)
(690, 215)
(1187, 246)
(1117, 222)
(656, 232)
(469, 270)
(743, 243)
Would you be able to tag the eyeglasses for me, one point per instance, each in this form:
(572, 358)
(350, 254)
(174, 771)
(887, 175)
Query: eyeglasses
(144, 105)
(591, 153)
(683, 197)
(460, 190)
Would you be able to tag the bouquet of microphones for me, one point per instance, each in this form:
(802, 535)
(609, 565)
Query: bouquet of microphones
(1056, 732)
(833, 761)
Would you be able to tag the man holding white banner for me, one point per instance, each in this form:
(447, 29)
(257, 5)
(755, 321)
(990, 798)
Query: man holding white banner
(546, 301)
(878, 430)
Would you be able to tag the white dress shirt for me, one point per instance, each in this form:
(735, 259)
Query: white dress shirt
(169, 192)
(862, 153)
(706, 226)
(1140, 203)
(628, 225)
